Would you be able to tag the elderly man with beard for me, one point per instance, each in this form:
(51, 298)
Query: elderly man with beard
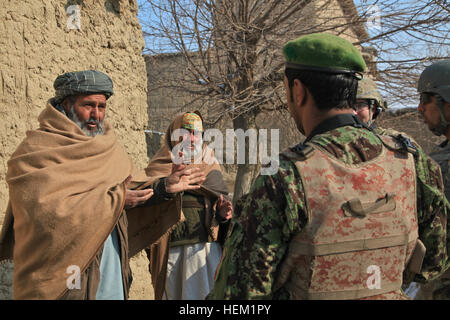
(69, 183)
(182, 263)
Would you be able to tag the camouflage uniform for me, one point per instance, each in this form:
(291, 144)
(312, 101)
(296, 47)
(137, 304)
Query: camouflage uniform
(274, 211)
(442, 157)
(435, 81)
(439, 289)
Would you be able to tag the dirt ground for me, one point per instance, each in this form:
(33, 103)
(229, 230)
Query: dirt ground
(141, 288)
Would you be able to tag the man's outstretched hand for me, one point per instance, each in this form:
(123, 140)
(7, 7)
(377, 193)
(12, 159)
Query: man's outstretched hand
(134, 198)
(182, 178)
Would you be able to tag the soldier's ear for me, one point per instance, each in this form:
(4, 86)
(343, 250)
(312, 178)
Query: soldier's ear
(299, 93)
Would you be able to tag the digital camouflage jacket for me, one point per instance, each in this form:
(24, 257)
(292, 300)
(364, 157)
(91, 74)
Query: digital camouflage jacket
(266, 219)
(442, 157)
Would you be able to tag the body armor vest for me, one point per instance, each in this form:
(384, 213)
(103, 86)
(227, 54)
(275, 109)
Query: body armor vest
(362, 226)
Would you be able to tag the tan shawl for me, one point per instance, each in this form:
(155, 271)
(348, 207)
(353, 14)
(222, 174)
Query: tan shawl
(66, 194)
(169, 213)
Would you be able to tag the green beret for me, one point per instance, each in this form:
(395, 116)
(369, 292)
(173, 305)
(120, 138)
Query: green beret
(82, 82)
(323, 52)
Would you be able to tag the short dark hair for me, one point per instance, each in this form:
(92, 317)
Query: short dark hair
(328, 90)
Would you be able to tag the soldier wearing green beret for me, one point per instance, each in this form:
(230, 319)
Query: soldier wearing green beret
(434, 106)
(349, 213)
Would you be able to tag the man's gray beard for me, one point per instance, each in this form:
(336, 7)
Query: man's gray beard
(73, 116)
(192, 155)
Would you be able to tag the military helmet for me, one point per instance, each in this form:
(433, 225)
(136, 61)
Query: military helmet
(436, 79)
(367, 89)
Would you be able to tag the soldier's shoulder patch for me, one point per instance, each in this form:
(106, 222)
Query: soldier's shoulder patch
(299, 152)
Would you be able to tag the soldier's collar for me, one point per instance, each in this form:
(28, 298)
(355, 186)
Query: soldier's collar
(340, 120)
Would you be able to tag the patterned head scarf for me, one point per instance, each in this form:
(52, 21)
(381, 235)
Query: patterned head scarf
(192, 121)
(82, 82)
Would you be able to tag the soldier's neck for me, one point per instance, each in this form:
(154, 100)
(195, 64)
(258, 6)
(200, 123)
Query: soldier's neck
(318, 117)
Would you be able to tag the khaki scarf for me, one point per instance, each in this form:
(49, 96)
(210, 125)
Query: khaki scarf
(66, 195)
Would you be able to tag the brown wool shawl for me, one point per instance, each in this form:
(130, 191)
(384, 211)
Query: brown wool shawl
(66, 194)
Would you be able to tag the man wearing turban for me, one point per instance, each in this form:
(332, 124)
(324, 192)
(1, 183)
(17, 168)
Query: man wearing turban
(183, 261)
(69, 183)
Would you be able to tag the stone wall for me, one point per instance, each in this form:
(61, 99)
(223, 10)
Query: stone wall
(40, 40)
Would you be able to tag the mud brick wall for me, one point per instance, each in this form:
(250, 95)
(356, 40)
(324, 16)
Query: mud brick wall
(40, 40)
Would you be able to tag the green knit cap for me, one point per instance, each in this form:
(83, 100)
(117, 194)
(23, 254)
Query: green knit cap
(323, 52)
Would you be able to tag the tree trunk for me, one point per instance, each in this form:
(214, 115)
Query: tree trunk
(245, 172)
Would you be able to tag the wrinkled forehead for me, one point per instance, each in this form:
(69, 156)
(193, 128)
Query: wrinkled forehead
(95, 97)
